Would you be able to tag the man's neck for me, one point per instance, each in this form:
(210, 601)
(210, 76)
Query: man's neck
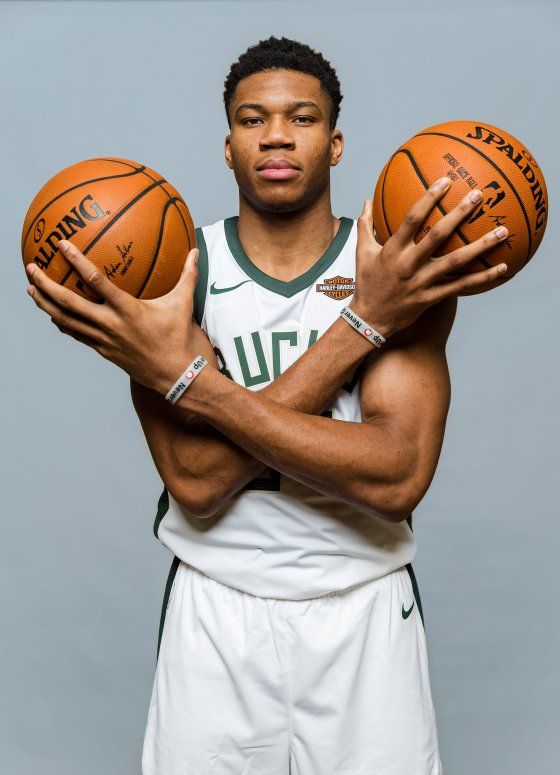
(286, 245)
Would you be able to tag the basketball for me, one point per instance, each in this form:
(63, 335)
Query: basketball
(472, 155)
(125, 217)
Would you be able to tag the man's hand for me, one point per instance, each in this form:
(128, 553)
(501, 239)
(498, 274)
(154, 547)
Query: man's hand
(150, 339)
(397, 282)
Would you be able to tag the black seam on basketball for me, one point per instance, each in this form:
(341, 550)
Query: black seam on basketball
(174, 201)
(147, 174)
(170, 196)
(383, 197)
(107, 226)
(439, 206)
(83, 183)
(119, 161)
(158, 245)
(176, 207)
(502, 173)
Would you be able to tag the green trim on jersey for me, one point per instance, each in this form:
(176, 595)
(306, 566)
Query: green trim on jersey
(413, 577)
(162, 509)
(282, 287)
(202, 282)
(415, 590)
(169, 584)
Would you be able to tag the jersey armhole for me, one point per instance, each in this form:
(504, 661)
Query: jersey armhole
(202, 282)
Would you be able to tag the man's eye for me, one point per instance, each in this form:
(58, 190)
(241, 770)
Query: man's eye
(250, 121)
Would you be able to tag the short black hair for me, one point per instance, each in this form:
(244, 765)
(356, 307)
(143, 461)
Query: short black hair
(284, 54)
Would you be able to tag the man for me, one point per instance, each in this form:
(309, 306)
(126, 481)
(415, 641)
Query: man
(291, 636)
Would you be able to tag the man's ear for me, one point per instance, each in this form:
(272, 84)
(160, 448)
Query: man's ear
(227, 151)
(337, 146)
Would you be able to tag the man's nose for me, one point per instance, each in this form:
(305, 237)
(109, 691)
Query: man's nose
(278, 133)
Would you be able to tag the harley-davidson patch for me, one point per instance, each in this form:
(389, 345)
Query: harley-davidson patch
(337, 287)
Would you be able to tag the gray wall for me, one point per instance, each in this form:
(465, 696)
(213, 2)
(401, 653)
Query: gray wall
(81, 575)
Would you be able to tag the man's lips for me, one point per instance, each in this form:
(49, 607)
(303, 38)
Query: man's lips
(278, 173)
(278, 169)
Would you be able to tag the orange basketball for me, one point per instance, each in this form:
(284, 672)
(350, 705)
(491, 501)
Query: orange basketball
(473, 155)
(125, 217)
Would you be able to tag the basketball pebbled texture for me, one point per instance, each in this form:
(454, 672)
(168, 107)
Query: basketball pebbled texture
(473, 155)
(125, 217)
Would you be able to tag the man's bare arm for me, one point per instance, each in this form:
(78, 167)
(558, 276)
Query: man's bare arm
(383, 466)
(406, 394)
(199, 465)
(405, 283)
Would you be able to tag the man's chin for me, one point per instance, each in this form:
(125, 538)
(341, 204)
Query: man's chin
(281, 204)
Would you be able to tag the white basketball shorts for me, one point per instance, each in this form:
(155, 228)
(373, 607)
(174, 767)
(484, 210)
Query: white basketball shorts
(331, 685)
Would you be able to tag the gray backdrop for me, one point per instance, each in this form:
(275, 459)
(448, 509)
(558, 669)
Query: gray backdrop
(81, 574)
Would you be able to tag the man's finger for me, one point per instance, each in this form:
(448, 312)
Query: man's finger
(445, 227)
(92, 275)
(419, 211)
(440, 267)
(67, 299)
(65, 319)
(467, 284)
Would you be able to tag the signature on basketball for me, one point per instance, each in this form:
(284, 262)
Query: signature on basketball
(111, 269)
(125, 250)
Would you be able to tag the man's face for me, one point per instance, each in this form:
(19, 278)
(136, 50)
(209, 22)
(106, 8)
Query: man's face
(281, 117)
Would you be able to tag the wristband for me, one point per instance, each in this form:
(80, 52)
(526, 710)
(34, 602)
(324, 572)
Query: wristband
(360, 325)
(192, 370)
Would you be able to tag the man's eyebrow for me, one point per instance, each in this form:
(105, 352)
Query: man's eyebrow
(250, 106)
(291, 107)
(304, 104)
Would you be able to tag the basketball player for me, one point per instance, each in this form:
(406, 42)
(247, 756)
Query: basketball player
(291, 637)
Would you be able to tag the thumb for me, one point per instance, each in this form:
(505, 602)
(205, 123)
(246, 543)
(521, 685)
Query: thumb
(365, 223)
(367, 238)
(189, 273)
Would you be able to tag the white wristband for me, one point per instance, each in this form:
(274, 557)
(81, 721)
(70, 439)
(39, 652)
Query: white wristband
(360, 325)
(192, 370)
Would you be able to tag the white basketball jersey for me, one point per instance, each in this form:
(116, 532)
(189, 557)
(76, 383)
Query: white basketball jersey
(276, 537)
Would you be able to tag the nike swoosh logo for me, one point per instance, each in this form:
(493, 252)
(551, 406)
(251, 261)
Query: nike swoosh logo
(406, 614)
(213, 288)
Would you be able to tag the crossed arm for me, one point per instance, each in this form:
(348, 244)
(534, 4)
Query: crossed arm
(221, 435)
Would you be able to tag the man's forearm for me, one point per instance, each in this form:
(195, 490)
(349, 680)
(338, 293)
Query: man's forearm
(202, 466)
(312, 382)
(308, 386)
(359, 463)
